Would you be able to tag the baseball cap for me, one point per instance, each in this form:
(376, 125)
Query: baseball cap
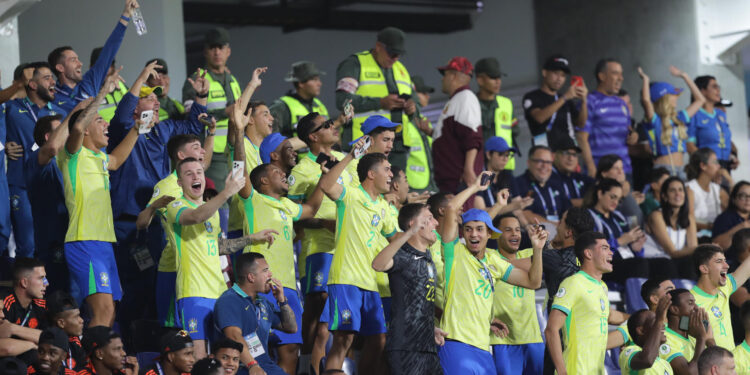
(12, 366)
(498, 144)
(160, 62)
(376, 121)
(557, 62)
(174, 341)
(55, 337)
(394, 40)
(269, 145)
(146, 91)
(489, 66)
(659, 89)
(457, 63)
(217, 37)
(566, 144)
(420, 86)
(476, 214)
(303, 71)
(97, 337)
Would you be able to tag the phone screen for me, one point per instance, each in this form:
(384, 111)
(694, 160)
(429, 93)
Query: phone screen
(684, 323)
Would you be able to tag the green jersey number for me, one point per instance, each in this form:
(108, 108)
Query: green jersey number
(213, 249)
(518, 291)
(287, 235)
(484, 289)
(372, 237)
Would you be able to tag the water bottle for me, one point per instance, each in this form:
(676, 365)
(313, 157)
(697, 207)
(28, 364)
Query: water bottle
(140, 24)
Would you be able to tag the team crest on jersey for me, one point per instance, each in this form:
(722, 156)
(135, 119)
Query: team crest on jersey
(560, 293)
(104, 278)
(263, 312)
(104, 165)
(340, 180)
(193, 326)
(177, 204)
(290, 180)
(664, 349)
(601, 303)
(156, 192)
(716, 311)
(209, 227)
(346, 317)
(485, 273)
(375, 220)
(282, 214)
(318, 279)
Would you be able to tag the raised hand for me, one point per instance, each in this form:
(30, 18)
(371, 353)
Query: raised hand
(643, 74)
(150, 70)
(673, 70)
(264, 236)
(478, 182)
(210, 122)
(162, 202)
(255, 81)
(130, 5)
(232, 185)
(200, 84)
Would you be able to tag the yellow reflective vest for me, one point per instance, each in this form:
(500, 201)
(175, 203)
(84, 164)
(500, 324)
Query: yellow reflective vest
(108, 108)
(503, 124)
(217, 99)
(297, 110)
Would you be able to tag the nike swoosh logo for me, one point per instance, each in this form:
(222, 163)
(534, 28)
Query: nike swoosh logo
(417, 258)
(22, 111)
(603, 110)
(246, 307)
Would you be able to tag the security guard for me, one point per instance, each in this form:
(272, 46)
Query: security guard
(169, 109)
(224, 90)
(497, 111)
(425, 133)
(116, 92)
(378, 84)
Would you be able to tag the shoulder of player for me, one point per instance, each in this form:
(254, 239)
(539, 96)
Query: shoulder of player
(9, 298)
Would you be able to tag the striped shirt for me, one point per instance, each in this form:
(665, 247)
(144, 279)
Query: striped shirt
(607, 126)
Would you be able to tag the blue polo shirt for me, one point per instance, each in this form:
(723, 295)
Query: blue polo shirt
(44, 184)
(725, 221)
(607, 126)
(92, 81)
(21, 116)
(148, 163)
(711, 130)
(654, 132)
(612, 227)
(574, 185)
(549, 200)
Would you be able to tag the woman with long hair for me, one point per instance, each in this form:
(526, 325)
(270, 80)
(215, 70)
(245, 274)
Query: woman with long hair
(735, 217)
(709, 127)
(611, 166)
(707, 199)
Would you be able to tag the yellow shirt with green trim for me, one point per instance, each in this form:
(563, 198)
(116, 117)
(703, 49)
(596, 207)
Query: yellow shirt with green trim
(469, 285)
(436, 251)
(252, 160)
(742, 358)
(302, 181)
(384, 288)
(676, 346)
(87, 199)
(626, 339)
(361, 222)
(197, 253)
(516, 307)
(265, 212)
(585, 302)
(660, 366)
(166, 187)
(717, 307)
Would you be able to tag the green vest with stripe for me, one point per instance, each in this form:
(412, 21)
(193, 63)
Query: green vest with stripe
(504, 123)
(108, 108)
(217, 99)
(164, 115)
(297, 110)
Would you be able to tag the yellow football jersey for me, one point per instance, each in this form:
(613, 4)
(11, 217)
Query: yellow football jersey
(660, 366)
(516, 307)
(252, 160)
(166, 187)
(717, 308)
(742, 358)
(676, 346)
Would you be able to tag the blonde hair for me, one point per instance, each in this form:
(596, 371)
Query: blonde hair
(668, 115)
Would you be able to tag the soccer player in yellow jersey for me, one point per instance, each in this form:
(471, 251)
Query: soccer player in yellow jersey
(642, 357)
(196, 238)
(581, 310)
(471, 275)
(686, 335)
(354, 303)
(88, 242)
(714, 287)
(742, 351)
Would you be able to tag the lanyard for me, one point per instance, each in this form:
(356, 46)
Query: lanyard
(31, 111)
(70, 359)
(158, 368)
(544, 203)
(28, 313)
(553, 117)
(488, 275)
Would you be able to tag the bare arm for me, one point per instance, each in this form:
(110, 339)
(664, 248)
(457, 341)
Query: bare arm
(617, 317)
(698, 98)
(232, 245)
(468, 175)
(742, 272)
(541, 115)
(206, 210)
(84, 120)
(583, 114)
(588, 159)
(328, 180)
(57, 137)
(145, 216)
(648, 107)
(120, 154)
(384, 260)
(554, 344)
(449, 231)
(13, 347)
(646, 357)
(725, 239)
(288, 323)
(659, 232)
(531, 279)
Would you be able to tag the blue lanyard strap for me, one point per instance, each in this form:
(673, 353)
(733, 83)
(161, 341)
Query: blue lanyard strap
(544, 203)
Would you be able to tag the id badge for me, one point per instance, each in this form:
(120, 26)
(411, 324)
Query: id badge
(553, 218)
(142, 257)
(541, 140)
(254, 345)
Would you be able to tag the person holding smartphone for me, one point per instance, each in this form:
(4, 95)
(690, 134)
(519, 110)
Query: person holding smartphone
(687, 335)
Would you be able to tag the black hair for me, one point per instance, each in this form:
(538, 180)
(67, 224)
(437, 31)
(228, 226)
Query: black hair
(712, 356)
(601, 67)
(436, 201)
(245, 264)
(183, 162)
(177, 142)
(622, 93)
(44, 126)
(683, 213)
(675, 294)
(258, 173)
(207, 366)
(536, 148)
(604, 185)
(745, 314)
(700, 156)
(702, 83)
(655, 175)
(740, 242)
(650, 287)
(606, 163)
(55, 58)
(703, 254)
(395, 169)
(586, 241)
(381, 129)
(307, 122)
(407, 213)
(367, 163)
(735, 192)
(636, 320)
(579, 221)
(252, 106)
(226, 343)
(23, 266)
(18, 72)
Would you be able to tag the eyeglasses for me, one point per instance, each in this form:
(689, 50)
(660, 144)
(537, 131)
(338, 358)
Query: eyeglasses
(542, 162)
(570, 154)
(325, 125)
(743, 196)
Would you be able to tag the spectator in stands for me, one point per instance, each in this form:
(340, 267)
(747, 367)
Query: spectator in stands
(656, 178)
(647, 331)
(685, 345)
(565, 171)
(553, 119)
(497, 154)
(709, 127)
(611, 166)
(227, 352)
(707, 198)
(549, 196)
(25, 306)
(63, 313)
(716, 361)
(53, 353)
(667, 128)
(607, 129)
(457, 149)
(497, 110)
(106, 353)
(169, 108)
(739, 250)
(672, 226)
(735, 217)
(116, 89)
(279, 151)
(176, 355)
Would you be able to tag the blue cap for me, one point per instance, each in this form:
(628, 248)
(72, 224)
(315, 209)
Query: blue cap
(376, 121)
(476, 214)
(498, 144)
(659, 89)
(269, 145)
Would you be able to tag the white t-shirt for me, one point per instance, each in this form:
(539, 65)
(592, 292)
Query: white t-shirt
(464, 108)
(707, 203)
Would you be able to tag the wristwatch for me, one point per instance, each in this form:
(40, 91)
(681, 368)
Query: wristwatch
(282, 304)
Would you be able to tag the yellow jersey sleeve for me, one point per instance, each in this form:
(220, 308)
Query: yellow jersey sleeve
(516, 306)
(659, 367)
(166, 187)
(252, 160)
(742, 358)
(676, 346)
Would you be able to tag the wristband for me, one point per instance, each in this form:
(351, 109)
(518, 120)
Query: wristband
(125, 18)
(252, 363)
(210, 134)
(201, 96)
(282, 304)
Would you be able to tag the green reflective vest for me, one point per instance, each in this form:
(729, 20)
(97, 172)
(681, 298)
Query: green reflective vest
(164, 115)
(217, 99)
(503, 124)
(297, 110)
(108, 108)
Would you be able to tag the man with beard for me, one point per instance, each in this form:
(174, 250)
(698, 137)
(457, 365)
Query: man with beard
(53, 353)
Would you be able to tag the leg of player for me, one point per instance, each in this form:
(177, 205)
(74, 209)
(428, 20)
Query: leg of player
(371, 361)
(342, 341)
(314, 303)
(319, 346)
(288, 355)
(102, 309)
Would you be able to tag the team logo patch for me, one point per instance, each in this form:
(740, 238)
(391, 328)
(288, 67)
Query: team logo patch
(177, 204)
(104, 278)
(156, 192)
(664, 349)
(375, 220)
(282, 214)
(209, 227)
(15, 202)
(560, 293)
(290, 180)
(601, 303)
(340, 181)
(430, 271)
(716, 311)
(346, 317)
(318, 279)
(628, 352)
(193, 326)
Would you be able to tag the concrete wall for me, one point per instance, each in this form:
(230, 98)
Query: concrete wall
(86, 24)
(9, 59)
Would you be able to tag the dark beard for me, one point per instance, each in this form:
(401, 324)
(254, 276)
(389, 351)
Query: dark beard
(44, 94)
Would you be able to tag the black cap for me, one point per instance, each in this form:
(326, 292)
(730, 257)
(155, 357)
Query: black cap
(217, 37)
(12, 366)
(227, 343)
(420, 86)
(174, 341)
(97, 337)
(566, 144)
(59, 301)
(489, 66)
(55, 337)
(557, 62)
(206, 366)
(302, 71)
(159, 61)
(394, 40)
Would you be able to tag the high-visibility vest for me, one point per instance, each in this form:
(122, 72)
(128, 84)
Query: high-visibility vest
(163, 115)
(297, 110)
(503, 124)
(419, 163)
(217, 99)
(108, 108)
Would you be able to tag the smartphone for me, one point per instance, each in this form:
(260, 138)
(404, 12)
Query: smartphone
(146, 118)
(684, 323)
(405, 96)
(486, 178)
(576, 81)
(348, 108)
(206, 120)
(360, 151)
(326, 160)
(632, 222)
(238, 168)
